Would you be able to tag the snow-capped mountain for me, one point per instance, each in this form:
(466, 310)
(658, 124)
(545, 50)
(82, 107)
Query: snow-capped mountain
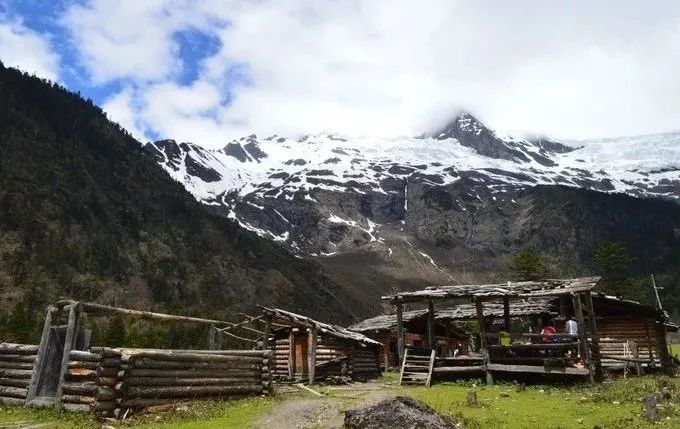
(327, 194)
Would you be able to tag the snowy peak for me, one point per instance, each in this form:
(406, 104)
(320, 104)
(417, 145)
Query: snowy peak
(321, 194)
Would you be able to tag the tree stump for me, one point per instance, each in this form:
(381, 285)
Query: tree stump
(472, 398)
(651, 412)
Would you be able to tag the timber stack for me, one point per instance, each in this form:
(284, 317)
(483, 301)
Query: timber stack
(90, 380)
(158, 377)
(16, 368)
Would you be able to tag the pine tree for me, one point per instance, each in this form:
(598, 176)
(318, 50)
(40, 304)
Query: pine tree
(612, 263)
(528, 265)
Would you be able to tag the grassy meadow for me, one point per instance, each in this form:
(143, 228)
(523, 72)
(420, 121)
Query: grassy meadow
(613, 404)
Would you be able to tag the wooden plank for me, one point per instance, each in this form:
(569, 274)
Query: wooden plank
(313, 340)
(400, 331)
(430, 324)
(40, 357)
(536, 369)
(291, 354)
(506, 313)
(594, 337)
(583, 340)
(403, 366)
(458, 369)
(482, 338)
(69, 341)
(430, 367)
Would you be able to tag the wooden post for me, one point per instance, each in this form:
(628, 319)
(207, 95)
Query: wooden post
(313, 339)
(430, 324)
(506, 313)
(482, 340)
(650, 352)
(582, 337)
(69, 341)
(594, 337)
(400, 332)
(662, 347)
(42, 350)
(211, 337)
(267, 330)
(291, 354)
(388, 338)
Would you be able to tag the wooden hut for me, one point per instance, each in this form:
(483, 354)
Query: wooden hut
(612, 332)
(447, 336)
(307, 349)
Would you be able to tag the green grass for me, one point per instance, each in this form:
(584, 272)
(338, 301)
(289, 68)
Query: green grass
(675, 349)
(610, 405)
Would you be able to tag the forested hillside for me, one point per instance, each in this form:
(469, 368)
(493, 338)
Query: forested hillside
(85, 213)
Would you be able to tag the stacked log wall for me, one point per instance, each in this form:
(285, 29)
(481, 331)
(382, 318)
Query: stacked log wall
(90, 380)
(161, 377)
(281, 355)
(364, 362)
(639, 330)
(16, 368)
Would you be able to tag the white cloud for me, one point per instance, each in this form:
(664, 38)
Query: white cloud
(27, 50)
(573, 69)
(120, 108)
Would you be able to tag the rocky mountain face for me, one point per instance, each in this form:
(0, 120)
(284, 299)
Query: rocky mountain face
(446, 207)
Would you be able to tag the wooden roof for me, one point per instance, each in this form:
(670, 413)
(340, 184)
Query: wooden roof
(298, 320)
(544, 288)
(518, 307)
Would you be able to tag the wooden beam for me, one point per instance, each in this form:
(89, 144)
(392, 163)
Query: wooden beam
(291, 354)
(212, 343)
(42, 351)
(89, 307)
(482, 339)
(430, 324)
(582, 337)
(400, 331)
(594, 336)
(69, 342)
(506, 313)
(313, 339)
(267, 330)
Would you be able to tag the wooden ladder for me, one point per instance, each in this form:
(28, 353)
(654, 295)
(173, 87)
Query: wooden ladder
(417, 369)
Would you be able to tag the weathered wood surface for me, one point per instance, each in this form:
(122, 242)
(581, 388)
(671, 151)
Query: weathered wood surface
(140, 372)
(191, 391)
(198, 381)
(19, 349)
(195, 357)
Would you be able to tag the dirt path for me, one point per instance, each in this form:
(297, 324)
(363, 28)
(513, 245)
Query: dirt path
(327, 412)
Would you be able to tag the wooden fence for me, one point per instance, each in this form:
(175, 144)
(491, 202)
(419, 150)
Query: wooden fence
(110, 381)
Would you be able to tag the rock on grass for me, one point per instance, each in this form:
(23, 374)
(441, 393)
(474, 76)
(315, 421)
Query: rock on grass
(397, 412)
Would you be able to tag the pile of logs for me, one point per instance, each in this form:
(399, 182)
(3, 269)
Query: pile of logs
(90, 380)
(16, 368)
(160, 377)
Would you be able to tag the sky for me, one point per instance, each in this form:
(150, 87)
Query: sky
(208, 71)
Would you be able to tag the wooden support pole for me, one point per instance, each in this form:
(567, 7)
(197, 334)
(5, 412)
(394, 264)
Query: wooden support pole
(400, 331)
(430, 324)
(662, 347)
(387, 344)
(69, 341)
(582, 337)
(594, 337)
(482, 340)
(211, 337)
(267, 330)
(40, 357)
(313, 339)
(291, 354)
(506, 313)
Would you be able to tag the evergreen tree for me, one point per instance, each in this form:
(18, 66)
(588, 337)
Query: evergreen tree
(528, 265)
(612, 263)
(115, 332)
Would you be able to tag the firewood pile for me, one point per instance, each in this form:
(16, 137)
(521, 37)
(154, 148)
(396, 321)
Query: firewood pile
(90, 380)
